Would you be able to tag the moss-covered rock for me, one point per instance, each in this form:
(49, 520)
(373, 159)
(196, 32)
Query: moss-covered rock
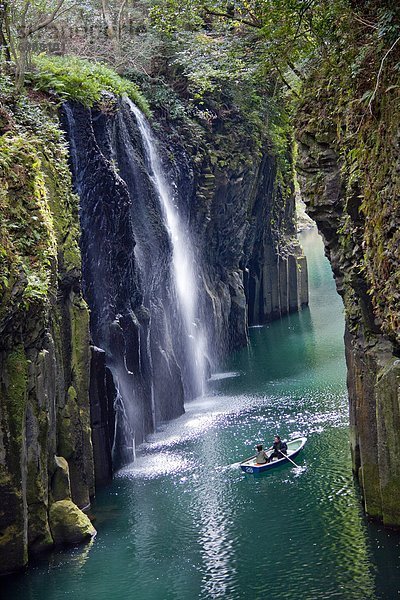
(13, 510)
(43, 327)
(388, 420)
(348, 130)
(13, 527)
(69, 525)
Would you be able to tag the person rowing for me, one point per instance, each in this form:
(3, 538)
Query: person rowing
(279, 448)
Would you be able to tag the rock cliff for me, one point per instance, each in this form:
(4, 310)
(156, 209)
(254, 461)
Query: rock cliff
(44, 337)
(349, 169)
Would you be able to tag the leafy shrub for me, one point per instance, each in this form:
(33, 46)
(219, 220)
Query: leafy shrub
(72, 78)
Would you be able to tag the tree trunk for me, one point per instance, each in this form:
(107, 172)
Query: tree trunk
(22, 61)
(108, 20)
(4, 46)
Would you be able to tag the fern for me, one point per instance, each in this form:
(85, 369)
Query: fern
(72, 78)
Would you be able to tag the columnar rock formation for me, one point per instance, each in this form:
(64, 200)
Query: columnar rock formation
(349, 164)
(45, 438)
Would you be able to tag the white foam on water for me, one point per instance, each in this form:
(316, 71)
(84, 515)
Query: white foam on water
(227, 375)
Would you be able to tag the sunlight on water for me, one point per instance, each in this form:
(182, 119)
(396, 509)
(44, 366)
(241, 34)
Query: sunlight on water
(219, 376)
(154, 466)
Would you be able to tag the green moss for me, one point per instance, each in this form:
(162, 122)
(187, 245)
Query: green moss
(69, 525)
(369, 476)
(336, 110)
(13, 551)
(388, 417)
(8, 535)
(72, 78)
(67, 425)
(27, 236)
(71, 254)
(16, 395)
(80, 338)
(39, 536)
(64, 205)
(60, 483)
(39, 230)
(13, 548)
(390, 502)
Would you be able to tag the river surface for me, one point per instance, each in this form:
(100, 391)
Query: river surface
(184, 522)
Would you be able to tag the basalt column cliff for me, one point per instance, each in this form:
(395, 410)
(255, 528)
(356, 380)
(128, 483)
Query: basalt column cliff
(46, 460)
(349, 169)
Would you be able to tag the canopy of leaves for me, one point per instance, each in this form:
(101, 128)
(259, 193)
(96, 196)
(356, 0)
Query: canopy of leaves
(282, 33)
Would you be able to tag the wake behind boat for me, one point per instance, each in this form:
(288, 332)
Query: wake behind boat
(294, 447)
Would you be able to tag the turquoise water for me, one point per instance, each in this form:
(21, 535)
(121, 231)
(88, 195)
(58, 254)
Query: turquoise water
(184, 522)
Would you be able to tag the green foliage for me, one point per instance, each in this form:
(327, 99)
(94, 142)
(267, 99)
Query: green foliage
(72, 78)
(211, 63)
(26, 232)
(160, 96)
(172, 15)
(279, 34)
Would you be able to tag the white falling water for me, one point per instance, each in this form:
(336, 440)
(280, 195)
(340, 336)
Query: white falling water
(183, 264)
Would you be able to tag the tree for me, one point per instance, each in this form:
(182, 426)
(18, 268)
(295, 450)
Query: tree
(22, 19)
(283, 34)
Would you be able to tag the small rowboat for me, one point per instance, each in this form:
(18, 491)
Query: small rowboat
(294, 447)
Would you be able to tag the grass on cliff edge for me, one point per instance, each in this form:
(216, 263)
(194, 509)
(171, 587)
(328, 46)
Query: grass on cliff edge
(73, 78)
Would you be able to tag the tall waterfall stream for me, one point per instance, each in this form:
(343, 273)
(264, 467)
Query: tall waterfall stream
(140, 271)
(183, 263)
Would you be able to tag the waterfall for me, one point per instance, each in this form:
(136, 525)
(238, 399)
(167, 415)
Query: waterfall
(183, 267)
(140, 276)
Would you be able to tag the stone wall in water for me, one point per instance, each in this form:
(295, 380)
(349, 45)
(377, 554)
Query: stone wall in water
(349, 165)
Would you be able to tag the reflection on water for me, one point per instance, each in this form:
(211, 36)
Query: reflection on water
(184, 522)
(228, 375)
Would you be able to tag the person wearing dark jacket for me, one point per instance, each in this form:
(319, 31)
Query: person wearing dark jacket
(279, 448)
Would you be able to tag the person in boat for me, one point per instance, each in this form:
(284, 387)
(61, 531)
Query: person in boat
(279, 448)
(261, 457)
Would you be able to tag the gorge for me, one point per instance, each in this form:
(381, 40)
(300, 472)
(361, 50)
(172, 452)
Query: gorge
(184, 521)
(148, 330)
(148, 223)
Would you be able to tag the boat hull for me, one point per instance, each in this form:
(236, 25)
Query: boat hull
(294, 447)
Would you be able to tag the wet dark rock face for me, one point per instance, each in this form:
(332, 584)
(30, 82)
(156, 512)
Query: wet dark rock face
(255, 269)
(141, 373)
(126, 252)
(372, 356)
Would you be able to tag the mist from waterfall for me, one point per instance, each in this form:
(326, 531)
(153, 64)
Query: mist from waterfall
(183, 267)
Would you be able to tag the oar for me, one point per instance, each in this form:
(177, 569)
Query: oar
(246, 459)
(286, 456)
